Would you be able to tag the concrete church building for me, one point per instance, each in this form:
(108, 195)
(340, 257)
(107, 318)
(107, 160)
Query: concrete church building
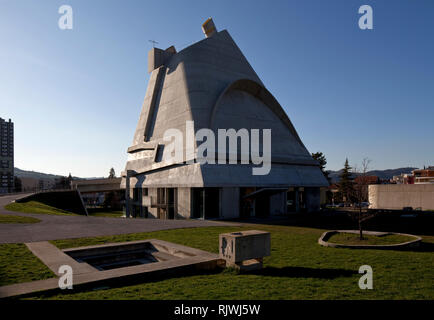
(212, 84)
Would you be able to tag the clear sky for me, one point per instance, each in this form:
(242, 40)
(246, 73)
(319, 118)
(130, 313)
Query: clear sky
(75, 95)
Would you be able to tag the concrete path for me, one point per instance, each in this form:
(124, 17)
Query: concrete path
(53, 258)
(53, 227)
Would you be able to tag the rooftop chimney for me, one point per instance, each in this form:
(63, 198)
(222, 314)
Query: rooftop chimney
(208, 27)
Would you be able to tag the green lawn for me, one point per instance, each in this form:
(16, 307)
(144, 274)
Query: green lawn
(298, 268)
(39, 207)
(36, 207)
(17, 219)
(354, 239)
(18, 264)
(105, 213)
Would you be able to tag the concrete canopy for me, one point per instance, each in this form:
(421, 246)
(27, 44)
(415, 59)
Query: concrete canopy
(212, 84)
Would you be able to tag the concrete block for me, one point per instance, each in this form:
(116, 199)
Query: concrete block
(239, 247)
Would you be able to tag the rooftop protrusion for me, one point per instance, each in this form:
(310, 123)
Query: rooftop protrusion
(208, 27)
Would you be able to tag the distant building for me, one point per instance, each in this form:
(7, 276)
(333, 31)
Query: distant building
(6, 156)
(45, 184)
(415, 190)
(423, 176)
(403, 178)
(367, 180)
(418, 176)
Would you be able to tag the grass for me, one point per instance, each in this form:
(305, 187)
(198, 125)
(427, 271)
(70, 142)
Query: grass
(354, 239)
(36, 207)
(17, 219)
(105, 213)
(298, 268)
(18, 264)
(39, 207)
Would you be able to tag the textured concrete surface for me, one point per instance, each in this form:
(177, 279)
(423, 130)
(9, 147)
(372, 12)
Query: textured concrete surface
(54, 227)
(97, 185)
(212, 83)
(53, 258)
(398, 196)
(239, 246)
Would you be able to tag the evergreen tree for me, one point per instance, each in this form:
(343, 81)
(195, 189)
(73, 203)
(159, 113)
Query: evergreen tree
(112, 173)
(68, 181)
(346, 182)
(320, 157)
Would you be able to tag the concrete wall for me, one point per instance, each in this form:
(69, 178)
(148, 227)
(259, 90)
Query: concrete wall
(398, 196)
(184, 203)
(152, 212)
(97, 185)
(229, 203)
(68, 200)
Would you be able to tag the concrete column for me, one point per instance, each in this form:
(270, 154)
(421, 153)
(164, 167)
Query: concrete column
(184, 202)
(297, 199)
(127, 195)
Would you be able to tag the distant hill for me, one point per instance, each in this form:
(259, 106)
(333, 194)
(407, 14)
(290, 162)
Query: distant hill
(382, 174)
(40, 176)
(33, 180)
(334, 175)
(35, 175)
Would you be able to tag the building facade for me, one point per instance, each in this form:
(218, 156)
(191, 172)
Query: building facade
(418, 176)
(6, 156)
(211, 85)
(424, 176)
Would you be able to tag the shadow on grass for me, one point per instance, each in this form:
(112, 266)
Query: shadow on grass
(302, 272)
(423, 247)
(421, 224)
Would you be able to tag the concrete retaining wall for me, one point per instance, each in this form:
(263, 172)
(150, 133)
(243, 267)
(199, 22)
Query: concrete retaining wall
(68, 200)
(398, 196)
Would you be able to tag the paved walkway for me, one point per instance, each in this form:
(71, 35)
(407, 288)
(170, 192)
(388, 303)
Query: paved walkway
(53, 227)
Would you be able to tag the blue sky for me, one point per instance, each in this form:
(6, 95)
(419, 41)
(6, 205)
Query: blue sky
(75, 95)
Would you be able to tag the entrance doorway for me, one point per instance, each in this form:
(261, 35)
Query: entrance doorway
(262, 206)
(167, 203)
(206, 203)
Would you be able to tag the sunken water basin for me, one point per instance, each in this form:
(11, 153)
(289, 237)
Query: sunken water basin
(113, 264)
(152, 254)
(125, 255)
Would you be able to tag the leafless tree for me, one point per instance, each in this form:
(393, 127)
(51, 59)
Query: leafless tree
(361, 195)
